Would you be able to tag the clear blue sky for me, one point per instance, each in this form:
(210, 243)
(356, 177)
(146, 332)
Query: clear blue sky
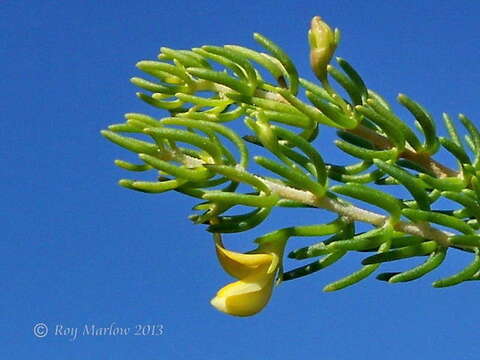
(77, 249)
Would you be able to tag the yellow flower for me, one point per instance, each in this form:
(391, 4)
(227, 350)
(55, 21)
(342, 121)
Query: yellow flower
(322, 46)
(256, 273)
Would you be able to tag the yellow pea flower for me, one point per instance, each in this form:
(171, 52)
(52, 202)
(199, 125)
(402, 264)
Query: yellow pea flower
(256, 272)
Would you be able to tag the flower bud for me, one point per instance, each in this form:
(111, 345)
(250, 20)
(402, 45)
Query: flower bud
(322, 46)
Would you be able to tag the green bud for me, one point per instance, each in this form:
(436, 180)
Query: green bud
(322, 46)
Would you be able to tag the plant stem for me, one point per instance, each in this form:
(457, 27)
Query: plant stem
(424, 160)
(353, 213)
(349, 211)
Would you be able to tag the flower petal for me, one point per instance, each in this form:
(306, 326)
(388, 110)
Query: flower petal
(245, 297)
(241, 265)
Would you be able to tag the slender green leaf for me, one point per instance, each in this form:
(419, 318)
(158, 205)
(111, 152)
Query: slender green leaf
(413, 184)
(422, 249)
(152, 186)
(297, 178)
(452, 130)
(434, 261)
(371, 196)
(353, 90)
(467, 273)
(239, 223)
(132, 167)
(137, 146)
(223, 78)
(284, 59)
(438, 218)
(425, 120)
(314, 266)
(366, 154)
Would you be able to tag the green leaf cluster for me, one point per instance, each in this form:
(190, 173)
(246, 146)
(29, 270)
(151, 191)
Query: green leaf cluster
(195, 151)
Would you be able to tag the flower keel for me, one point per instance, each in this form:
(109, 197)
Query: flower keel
(256, 272)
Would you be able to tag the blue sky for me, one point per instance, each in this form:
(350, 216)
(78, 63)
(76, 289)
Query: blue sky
(78, 250)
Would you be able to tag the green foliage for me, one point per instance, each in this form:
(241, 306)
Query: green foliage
(193, 151)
